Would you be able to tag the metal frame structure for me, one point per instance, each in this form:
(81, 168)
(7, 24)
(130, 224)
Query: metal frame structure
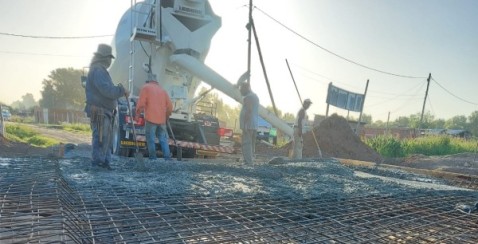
(38, 205)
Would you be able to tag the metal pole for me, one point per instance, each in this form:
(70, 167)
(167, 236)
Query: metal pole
(327, 100)
(424, 101)
(264, 68)
(249, 26)
(291, 75)
(357, 130)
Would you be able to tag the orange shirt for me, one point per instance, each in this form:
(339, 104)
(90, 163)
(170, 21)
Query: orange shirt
(155, 102)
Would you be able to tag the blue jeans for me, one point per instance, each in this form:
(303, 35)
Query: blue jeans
(154, 131)
(101, 128)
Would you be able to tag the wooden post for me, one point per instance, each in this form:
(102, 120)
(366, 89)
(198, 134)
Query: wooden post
(2, 127)
(424, 102)
(388, 119)
(327, 100)
(357, 130)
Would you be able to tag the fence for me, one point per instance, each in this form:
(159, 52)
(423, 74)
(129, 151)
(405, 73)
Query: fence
(57, 116)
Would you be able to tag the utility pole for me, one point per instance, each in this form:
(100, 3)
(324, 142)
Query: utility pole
(388, 119)
(2, 125)
(424, 102)
(249, 28)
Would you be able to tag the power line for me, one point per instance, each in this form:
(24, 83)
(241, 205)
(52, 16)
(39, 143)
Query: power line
(53, 37)
(395, 95)
(42, 54)
(418, 89)
(337, 55)
(457, 97)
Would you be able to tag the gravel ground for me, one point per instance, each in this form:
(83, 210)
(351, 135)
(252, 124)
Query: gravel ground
(227, 177)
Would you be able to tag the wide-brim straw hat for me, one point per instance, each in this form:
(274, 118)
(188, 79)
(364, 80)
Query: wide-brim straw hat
(104, 50)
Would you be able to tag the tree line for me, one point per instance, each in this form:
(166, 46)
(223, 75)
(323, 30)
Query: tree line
(62, 90)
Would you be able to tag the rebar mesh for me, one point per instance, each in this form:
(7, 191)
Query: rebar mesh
(38, 206)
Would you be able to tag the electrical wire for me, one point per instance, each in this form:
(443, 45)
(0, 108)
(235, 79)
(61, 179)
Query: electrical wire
(457, 97)
(418, 88)
(429, 100)
(335, 54)
(42, 54)
(54, 37)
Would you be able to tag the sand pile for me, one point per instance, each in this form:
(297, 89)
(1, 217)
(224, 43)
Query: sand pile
(336, 139)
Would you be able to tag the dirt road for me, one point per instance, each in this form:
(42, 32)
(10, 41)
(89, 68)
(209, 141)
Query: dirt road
(16, 149)
(62, 135)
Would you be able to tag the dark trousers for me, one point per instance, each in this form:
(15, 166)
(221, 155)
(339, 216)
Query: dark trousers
(101, 140)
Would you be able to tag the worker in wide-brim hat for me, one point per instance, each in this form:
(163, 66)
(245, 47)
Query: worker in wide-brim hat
(300, 122)
(101, 102)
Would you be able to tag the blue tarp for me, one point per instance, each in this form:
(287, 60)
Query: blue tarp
(263, 123)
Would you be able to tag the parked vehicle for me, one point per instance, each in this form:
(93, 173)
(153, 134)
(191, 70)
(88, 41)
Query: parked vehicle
(6, 114)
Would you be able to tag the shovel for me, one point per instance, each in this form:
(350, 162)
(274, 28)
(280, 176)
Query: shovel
(179, 150)
(137, 155)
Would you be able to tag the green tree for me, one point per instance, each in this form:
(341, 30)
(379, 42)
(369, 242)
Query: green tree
(27, 102)
(378, 124)
(426, 122)
(367, 118)
(438, 124)
(473, 123)
(63, 90)
(225, 113)
(48, 95)
(402, 121)
(289, 117)
(456, 122)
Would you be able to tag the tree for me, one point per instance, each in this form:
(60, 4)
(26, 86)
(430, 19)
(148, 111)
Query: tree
(48, 94)
(457, 122)
(473, 123)
(438, 124)
(289, 117)
(367, 118)
(27, 102)
(402, 121)
(378, 124)
(426, 123)
(225, 113)
(63, 90)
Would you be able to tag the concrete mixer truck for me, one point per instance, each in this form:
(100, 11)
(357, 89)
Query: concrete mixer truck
(170, 39)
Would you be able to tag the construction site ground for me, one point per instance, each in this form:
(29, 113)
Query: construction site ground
(351, 195)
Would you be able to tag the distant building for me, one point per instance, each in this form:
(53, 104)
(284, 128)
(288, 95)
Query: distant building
(407, 133)
(459, 133)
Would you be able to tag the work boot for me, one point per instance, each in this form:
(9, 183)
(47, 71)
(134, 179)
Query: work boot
(106, 165)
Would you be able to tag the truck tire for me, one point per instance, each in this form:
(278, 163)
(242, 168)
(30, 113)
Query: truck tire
(115, 145)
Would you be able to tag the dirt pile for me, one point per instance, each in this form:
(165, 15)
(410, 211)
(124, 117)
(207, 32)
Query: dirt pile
(335, 138)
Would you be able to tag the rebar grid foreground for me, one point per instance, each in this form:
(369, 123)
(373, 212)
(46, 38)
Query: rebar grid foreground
(38, 206)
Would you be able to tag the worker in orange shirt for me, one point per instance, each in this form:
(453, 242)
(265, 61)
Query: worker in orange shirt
(157, 107)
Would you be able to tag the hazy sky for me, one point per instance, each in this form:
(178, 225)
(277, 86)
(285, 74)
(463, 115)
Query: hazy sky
(346, 42)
